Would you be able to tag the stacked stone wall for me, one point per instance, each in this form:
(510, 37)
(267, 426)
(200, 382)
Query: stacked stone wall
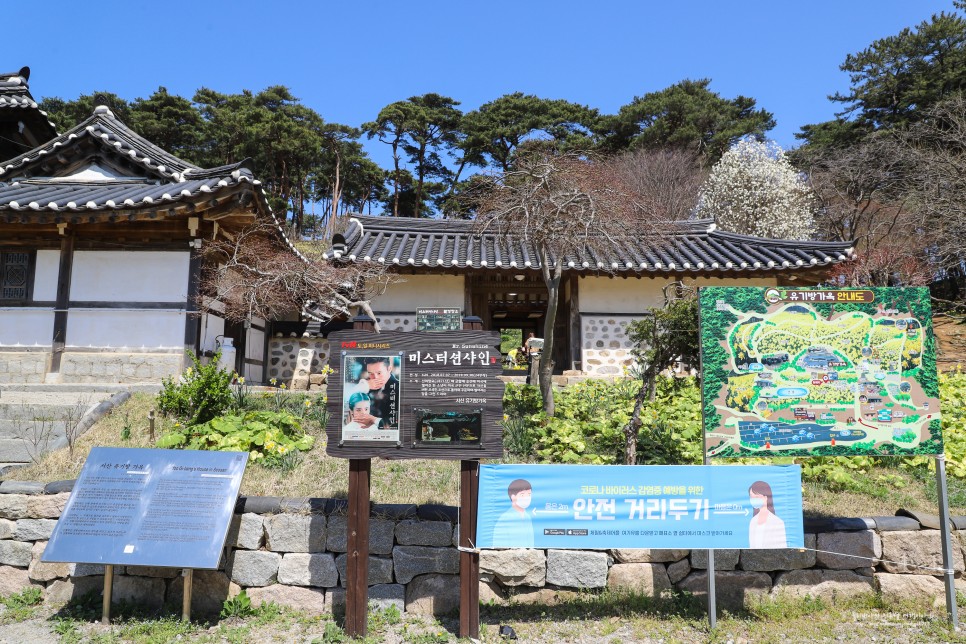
(293, 551)
(117, 366)
(23, 367)
(606, 349)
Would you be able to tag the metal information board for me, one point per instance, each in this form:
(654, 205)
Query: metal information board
(437, 319)
(149, 507)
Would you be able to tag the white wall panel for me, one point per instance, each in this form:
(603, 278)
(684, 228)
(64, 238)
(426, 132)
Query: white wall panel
(125, 328)
(129, 276)
(45, 275)
(212, 326)
(421, 291)
(637, 295)
(26, 327)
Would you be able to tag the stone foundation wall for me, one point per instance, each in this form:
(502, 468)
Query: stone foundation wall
(606, 348)
(293, 551)
(21, 367)
(396, 322)
(283, 356)
(109, 366)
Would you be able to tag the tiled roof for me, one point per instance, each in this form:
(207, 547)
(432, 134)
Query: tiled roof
(696, 246)
(114, 137)
(15, 95)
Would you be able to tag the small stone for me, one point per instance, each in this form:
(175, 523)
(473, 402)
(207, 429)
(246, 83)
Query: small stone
(254, 567)
(6, 528)
(410, 561)
(13, 506)
(295, 533)
(433, 595)
(648, 579)
(308, 600)
(516, 567)
(577, 568)
(905, 588)
(15, 553)
(302, 569)
(247, 531)
(678, 570)
(34, 529)
(41, 571)
(849, 550)
(410, 532)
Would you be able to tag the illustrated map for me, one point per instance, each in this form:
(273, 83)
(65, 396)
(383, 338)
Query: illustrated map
(817, 372)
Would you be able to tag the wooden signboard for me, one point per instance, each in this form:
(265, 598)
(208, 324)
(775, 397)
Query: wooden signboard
(417, 394)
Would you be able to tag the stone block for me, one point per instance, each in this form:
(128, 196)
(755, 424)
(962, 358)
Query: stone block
(541, 596)
(517, 567)
(918, 553)
(491, 593)
(577, 568)
(13, 506)
(678, 570)
(144, 592)
(649, 579)
(21, 487)
(410, 561)
(379, 571)
(381, 535)
(6, 528)
(723, 559)
(735, 589)
(47, 506)
(335, 601)
(91, 570)
(254, 567)
(307, 600)
(410, 532)
(299, 383)
(295, 533)
(849, 550)
(433, 595)
(906, 588)
(765, 560)
(34, 529)
(302, 569)
(15, 553)
(829, 585)
(647, 555)
(61, 591)
(209, 590)
(382, 596)
(40, 571)
(13, 580)
(247, 531)
(153, 571)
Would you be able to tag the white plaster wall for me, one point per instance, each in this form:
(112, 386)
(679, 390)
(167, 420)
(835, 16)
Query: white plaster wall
(26, 326)
(255, 350)
(45, 275)
(421, 291)
(130, 276)
(125, 328)
(212, 326)
(637, 295)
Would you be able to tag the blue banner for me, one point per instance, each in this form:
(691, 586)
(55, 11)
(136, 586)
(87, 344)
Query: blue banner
(640, 506)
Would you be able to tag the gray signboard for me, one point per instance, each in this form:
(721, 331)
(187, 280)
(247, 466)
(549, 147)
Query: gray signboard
(149, 507)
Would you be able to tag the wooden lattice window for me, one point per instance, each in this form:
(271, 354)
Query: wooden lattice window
(15, 275)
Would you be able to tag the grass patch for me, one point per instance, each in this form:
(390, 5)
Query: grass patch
(21, 606)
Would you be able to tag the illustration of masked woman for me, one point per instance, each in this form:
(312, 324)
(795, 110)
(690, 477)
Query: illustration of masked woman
(766, 530)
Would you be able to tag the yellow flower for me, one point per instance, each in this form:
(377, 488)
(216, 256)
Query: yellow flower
(282, 449)
(241, 380)
(269, 445)
(282, 385)
(308, 403)
(273, 381)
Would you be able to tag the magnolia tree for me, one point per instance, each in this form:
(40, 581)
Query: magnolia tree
(257, 273)
(565, 207)
(754, 190)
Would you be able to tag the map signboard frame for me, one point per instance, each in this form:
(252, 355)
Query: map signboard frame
(149, 507)
(818, 372)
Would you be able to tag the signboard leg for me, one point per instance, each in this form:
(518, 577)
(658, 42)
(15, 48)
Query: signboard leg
(712, 598)
(188, 575)
(469, 561)
(108, 588)
(357, 566)
(950, 583)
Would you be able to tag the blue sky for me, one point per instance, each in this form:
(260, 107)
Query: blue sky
(346, 60)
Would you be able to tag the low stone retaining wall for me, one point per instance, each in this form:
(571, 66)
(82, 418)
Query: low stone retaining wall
(293, 551)
(119, 366)
(23, 367)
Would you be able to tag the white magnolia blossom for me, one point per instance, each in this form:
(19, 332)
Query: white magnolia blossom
(754, 190)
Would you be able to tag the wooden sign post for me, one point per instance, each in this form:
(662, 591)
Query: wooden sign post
(469, 559)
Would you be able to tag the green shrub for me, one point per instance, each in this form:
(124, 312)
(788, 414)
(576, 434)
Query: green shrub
(201, 393)
(263, 434)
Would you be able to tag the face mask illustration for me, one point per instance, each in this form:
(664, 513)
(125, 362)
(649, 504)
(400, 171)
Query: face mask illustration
(523, 501)
(757, 501)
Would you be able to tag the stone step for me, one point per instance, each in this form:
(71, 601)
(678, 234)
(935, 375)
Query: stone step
(51, 397)
(82, 387)
(14, 450)
(27, 411)
(17, 428)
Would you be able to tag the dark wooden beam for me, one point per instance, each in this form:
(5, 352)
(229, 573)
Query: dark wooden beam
(192, 321)
(64, 270)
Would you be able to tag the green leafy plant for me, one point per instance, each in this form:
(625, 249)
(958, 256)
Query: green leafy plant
(261, 433)
(238, 606)
(201, 393)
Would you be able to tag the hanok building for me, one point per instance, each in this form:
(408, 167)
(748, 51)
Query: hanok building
(446, 263)
(100, 238)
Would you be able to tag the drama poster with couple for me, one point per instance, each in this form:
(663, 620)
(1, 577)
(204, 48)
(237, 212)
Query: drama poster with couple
(371, 398)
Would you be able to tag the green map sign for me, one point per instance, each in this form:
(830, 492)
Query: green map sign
(815, 372)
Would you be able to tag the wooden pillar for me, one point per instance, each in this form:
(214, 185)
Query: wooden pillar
(357, 564)
(469, 561)
(66, 267)
(575, 339)
(192, 323)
